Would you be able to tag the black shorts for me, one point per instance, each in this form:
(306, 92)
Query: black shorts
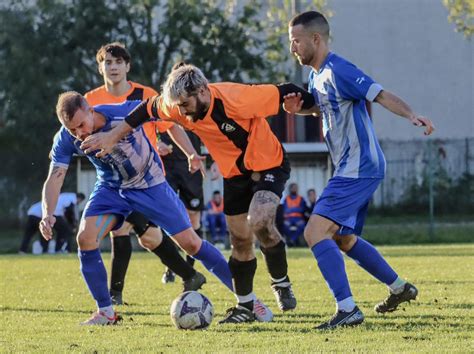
(239, 190)
(186, 184)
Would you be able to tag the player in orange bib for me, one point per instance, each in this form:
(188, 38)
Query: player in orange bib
(113, 61)
(230, 119)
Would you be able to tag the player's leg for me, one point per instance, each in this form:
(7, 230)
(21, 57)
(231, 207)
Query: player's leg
(31, 228)
(121, 252)
(151, 238)
(91, 230)
(269, 186)
(195, 218)
(162, 206)
(367, 256)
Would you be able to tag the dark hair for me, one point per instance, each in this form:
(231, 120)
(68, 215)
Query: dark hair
(178, 65)
(80, 196)
(116, 49)
(312, 18)
(68, 104)
(216, 192)
(311, 190)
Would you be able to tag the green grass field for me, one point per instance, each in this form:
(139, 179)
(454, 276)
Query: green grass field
(44, 297)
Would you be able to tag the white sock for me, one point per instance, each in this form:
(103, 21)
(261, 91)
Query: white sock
(346, 305)
(397, 286)
(108, 310)
(245, 298)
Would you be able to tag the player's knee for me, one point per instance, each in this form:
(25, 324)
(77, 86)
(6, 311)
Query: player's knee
(241, 244)
(86, 241)
(345, 242)
(260, 226)
(189, 241)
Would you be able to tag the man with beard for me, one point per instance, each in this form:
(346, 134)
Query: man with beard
(230, 119)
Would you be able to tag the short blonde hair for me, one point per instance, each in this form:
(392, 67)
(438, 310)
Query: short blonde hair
(68, 104)
(185, 81)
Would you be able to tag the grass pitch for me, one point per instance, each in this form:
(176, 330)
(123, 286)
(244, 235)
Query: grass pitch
(43, 298)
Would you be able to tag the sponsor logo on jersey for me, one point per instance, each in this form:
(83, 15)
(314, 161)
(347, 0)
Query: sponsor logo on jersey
(228, 128)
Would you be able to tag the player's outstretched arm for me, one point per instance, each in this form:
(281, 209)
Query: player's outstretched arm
(105, 142)
(396, 105)
(51, 188)
(181, 139)
(297, 100)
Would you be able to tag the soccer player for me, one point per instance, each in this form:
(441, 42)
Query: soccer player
(340, 90)
(129, 178)
(230, 119)
(186, 184)
(113, 61)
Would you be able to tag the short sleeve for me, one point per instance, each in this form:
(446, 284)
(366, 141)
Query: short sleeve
(163, 126)
(353, 84)
(256, 101)
(63, 149)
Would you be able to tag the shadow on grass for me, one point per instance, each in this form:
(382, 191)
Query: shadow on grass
(26, 309)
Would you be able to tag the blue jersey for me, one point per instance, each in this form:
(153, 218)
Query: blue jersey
(133, 163)
(341, 90)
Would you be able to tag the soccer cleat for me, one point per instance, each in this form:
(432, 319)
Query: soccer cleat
(116, 297)
(392, 301)
(284, 296)
(238, 314)
(168, 277)
(100, 319)
(194, 283)
(262, 312)
(343, 319)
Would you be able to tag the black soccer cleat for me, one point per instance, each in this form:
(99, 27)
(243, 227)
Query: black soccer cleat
(238, 314)
(343, 319)
(194, 283)
(392, 301)
(284, 295)
(168, 277)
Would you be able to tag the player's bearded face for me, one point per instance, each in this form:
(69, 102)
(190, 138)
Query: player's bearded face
(301, 45)
(194, 108)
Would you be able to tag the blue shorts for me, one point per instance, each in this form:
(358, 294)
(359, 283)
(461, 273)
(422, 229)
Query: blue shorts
(345, 201)
(160, 204)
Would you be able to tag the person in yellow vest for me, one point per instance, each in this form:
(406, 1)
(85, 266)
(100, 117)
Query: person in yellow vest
(294, 207)
(216, 218)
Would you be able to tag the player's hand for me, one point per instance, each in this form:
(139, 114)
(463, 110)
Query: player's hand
(46, 227)
(103, 143)
(292, 103)
(195, 163)
(421, 121)
(164, 149)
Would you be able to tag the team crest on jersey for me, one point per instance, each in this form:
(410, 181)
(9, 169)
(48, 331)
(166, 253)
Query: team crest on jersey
(195, 202)
(269, 178)
(228, 128)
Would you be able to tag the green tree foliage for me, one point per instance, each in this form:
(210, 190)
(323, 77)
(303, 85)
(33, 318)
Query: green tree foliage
(49, 46)
(461, 13)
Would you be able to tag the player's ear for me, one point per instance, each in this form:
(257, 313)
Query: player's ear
(99, 69)
(128, 67)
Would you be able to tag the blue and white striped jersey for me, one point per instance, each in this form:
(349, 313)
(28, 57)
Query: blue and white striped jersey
(133, 163)
(341, 89)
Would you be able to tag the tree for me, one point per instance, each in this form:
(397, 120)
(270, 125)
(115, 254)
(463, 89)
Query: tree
(48, 46)
(461, 13)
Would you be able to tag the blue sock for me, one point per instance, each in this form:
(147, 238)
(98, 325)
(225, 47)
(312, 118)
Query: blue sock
(215, 262)
(331, 264)
(372, 261)
(95, 275)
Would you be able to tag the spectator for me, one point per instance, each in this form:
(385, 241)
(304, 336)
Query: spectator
(312, 196)
(294, 208)
(216, 218)
(66, 202)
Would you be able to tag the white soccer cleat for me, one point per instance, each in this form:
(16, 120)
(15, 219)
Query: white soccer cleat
(100, 319)
(262, 312)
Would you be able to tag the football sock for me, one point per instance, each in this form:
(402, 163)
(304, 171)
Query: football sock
(215, 263)
(397, 286)
(346, 305)
(108, 311)
(275, 258)
(95, 276)
(120, 255)
(365, 255)
(170, 257)
(331, 265)
(190, 259)
(243, 273)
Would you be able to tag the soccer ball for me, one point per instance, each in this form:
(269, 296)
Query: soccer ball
(191, 310)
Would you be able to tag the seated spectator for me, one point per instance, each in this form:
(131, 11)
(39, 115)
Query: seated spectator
(63, 229)
(216, 218)
(294, 208)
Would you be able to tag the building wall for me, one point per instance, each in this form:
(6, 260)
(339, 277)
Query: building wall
(411, 49)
